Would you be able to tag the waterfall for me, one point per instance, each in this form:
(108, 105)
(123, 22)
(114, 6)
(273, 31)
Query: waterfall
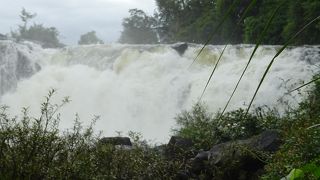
(143, 87)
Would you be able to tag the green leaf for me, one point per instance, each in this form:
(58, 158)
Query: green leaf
(295, 174)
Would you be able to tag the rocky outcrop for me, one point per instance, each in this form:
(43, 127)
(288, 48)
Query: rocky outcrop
(3, 37)
(180, 48)
(239, 158)
(179, 147)
(15, 64)
(121, 141)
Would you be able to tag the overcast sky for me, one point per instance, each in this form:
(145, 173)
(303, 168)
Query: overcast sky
(74, 17)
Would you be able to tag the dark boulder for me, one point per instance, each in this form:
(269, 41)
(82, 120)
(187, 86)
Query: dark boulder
(180, 48)
(237, 159)
(179, 147)
(121, 141)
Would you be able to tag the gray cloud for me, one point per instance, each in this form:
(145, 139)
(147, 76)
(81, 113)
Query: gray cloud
(74, 17)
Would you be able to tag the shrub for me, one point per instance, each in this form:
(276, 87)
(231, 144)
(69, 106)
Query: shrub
(301, 138)
(34, 148)
(206, 130)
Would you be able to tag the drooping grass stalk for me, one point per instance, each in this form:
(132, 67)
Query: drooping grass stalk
(225, 16)
(306, 84)
(214, 69)
(273, 59)
(260, 39)
(314, 126)
(247, 10)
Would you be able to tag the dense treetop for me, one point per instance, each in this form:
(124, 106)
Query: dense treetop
(90, 38)
(46, 36)
(195, 21)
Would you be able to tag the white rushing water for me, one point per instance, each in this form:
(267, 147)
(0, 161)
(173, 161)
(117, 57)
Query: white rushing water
(142, 88)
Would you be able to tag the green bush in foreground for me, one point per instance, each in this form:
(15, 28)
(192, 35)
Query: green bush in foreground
(206, 129)
(299, 128)
(34, 148)
(301, 139)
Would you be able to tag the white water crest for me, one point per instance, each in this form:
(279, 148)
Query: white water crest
(143, 87)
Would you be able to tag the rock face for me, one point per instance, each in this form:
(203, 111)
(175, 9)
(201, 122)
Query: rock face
(178, 147)
(121, 141)
(240, 153)
(3, 37)
(15, 64)
(180, 48)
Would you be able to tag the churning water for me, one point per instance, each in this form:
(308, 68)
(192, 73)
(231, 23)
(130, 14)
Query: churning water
(143, 87)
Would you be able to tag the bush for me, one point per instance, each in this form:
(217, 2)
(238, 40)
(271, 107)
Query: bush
(206, 130)
(301, 138)
(299, 130)
(34, 148)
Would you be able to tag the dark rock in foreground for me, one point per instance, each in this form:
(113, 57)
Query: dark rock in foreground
(179, 147)
(238, 159)
(122, 141)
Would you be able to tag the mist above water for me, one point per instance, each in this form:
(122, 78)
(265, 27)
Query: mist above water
(143, 87)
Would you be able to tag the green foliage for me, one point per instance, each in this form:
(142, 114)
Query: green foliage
(254, 24)
(206, 130)
(292, 17)
(90, 38)
(196, 20)
(138, 28)
(299, 129)
(296, 174)
(35, 148)
(47, 37)
(301, 143)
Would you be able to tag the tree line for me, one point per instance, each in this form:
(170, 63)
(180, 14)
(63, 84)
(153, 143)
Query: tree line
(195, 21)
(47, 37)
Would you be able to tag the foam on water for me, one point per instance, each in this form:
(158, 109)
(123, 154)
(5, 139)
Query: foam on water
(143, 87)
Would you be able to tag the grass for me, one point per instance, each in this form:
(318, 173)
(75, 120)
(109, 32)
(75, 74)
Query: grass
(277, 54)
(259, 41)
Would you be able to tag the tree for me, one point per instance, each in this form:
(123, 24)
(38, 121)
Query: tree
(46, 36)
(254, 24)
(138, 28)
(90, 38)
(25, 17)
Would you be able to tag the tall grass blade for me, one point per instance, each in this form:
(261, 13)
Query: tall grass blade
(249, 7)
(260, 39)
(306, 84)
(225, 16)
(273, 59)
(214, 69)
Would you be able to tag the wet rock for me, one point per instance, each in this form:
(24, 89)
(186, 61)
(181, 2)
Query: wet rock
(180, 48)
(24, 67)
(179, 147)
(3, 37)
(240, 154)
(15, 65)
(122, 141)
